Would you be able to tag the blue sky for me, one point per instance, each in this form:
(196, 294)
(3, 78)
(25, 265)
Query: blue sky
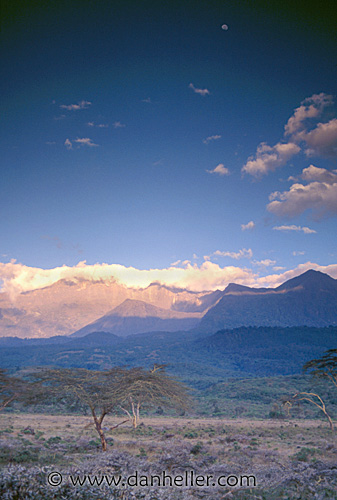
(142, 134)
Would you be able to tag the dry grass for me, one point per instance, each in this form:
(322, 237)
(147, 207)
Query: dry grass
(218, 435)
(286, 457)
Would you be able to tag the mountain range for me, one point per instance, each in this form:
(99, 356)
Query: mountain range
(80, 307)
(309, 299)
(69, 305)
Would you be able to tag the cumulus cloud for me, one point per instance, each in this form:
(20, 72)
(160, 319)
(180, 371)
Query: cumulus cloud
(305, 229)
(211, 138)
(302, 132)
(208, 276)
(320, 195)
(202, 92)
(269, 158)
(219, 169)
(249, 225)
(76, 107)
(85, 141)
(313, 173)
(18, 278)
(311, 107)
(322, 140)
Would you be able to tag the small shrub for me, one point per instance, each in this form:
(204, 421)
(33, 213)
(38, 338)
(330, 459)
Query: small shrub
(197, 449)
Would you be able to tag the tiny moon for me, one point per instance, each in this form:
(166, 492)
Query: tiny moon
(224, 27)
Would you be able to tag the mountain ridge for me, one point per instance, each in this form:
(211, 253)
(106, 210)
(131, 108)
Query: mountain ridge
(306, 300)
(136, 316)
(71, 306)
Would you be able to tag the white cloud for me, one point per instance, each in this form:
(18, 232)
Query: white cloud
(118, 125)
(264, 263)
(98, 125)
(249, 225)
(202, 92)
(18, 278)
(85, 141)
(147, 100)
(304, 229)
(219, 169)
(298, 252)
(310, 108)
(301, 133)
(241, 254)
(320, 195)
(313, 173)
(68, 144)
(211, 138)
(76, 107)
(209, 276)
(322, 140)
(269, 158)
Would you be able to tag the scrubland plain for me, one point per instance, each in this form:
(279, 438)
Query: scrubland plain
(284, 459)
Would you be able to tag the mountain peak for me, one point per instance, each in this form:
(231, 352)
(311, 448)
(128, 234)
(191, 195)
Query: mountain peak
(139, 308)
(310, 279)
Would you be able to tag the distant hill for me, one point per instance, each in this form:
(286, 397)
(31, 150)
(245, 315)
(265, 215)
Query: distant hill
(136, 316)
(244, 351)
(309, 299)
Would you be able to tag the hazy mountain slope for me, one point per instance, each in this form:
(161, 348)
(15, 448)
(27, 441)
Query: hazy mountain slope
(68, 305)
(135, 316)
(309, 299)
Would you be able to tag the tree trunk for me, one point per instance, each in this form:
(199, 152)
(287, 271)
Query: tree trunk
(5, 403)
(330, 421)
(134, 416)
(98, 425)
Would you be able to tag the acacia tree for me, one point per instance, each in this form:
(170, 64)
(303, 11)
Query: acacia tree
(17, 389)
(99, 390)
(324, 367)
(143, 388)
(106, 391)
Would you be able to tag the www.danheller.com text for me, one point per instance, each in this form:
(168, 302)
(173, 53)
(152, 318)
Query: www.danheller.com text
(188, 479)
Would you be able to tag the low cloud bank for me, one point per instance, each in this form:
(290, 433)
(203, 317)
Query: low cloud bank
(17, 278)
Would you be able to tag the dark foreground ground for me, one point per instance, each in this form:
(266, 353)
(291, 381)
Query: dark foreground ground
(295, 459)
